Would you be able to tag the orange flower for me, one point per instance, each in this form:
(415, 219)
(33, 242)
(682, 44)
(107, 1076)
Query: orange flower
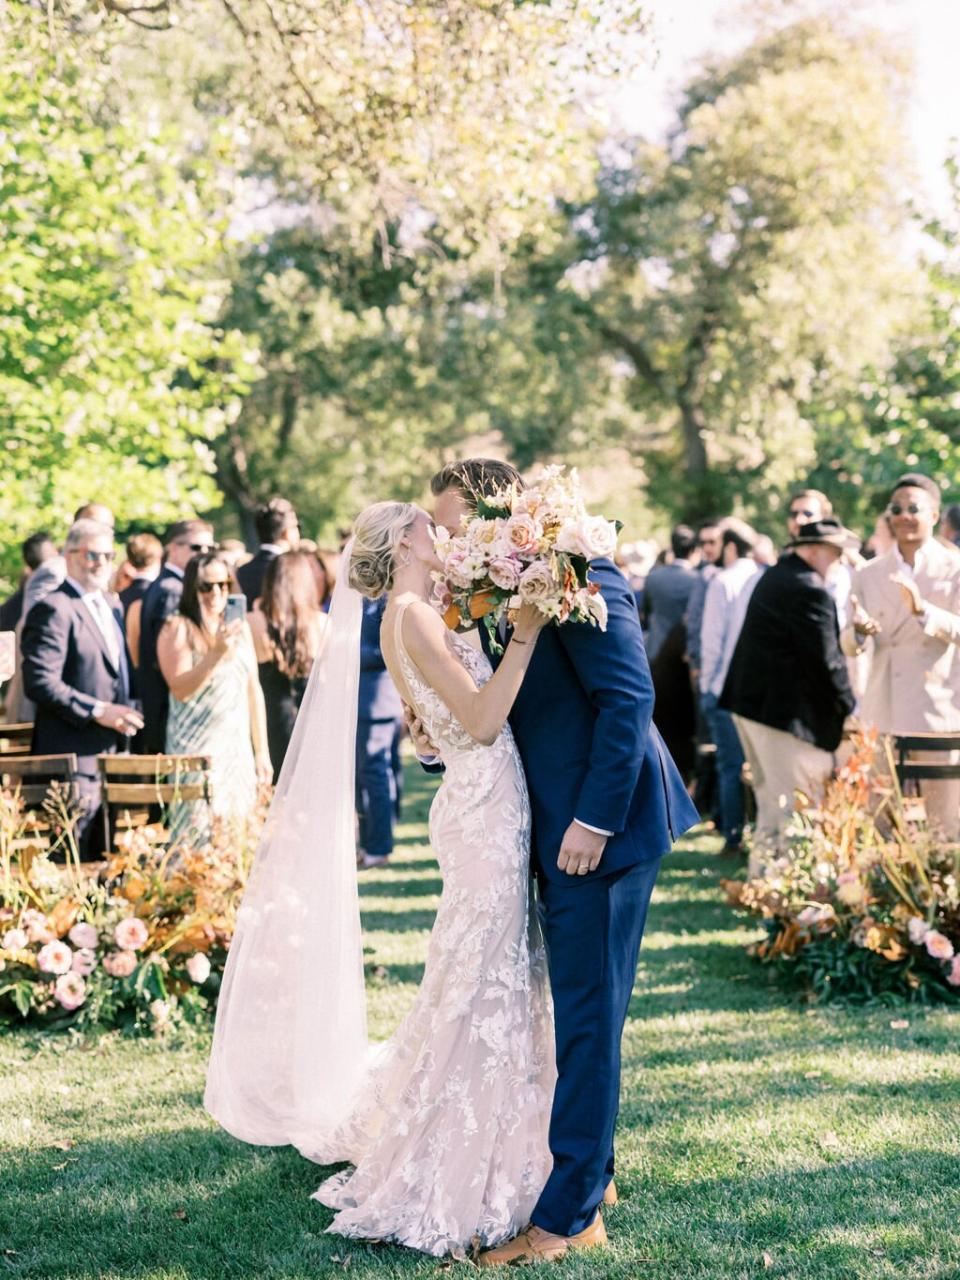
(64, 916)
(482, 603)
(452, 617)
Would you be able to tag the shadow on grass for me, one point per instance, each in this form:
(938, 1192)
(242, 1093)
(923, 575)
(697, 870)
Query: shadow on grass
(201, 1205)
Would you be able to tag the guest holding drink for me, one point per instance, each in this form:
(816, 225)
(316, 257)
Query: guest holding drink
(216, 706)
(288, 629)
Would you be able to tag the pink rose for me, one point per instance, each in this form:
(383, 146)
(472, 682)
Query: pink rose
(522, 534)
(130, 934)
(917, 928)
(455, 567)
(55, 957)
(537, 584)
(120, 964)
(84, 961)
(70, 990)
(83, 935)
(198, 967)
(953, 977)
(505, 572)
(938, 945)
(14, 940)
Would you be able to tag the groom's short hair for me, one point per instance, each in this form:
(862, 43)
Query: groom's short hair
(474, 477)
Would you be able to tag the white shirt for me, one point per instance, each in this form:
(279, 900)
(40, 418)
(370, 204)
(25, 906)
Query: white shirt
(724, 610)
(102, 615)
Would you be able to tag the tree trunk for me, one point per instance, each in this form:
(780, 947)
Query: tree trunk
(694, 447)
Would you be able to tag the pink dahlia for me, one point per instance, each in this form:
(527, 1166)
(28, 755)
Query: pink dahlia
(71, 990)
(83, 935)
(120, 964)
(938, 945)
(84, 961)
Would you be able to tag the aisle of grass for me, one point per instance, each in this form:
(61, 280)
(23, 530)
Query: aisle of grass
(757, 1138)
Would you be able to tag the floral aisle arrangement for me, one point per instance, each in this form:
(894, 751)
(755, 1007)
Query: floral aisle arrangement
(865, 904)
(525, 546)
(137, 942)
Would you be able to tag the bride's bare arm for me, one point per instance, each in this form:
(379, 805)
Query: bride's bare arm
(482, 712)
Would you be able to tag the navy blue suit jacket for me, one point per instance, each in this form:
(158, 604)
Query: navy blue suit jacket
(583, 725)
(160, 600)
(66, 669)
(378, 699)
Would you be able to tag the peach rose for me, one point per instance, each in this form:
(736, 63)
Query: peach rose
(130, 934)
(120, 964)
(522, 534)
(537, 584)
(505, 572)
(71, 990)
(938, 945)
(55, 957)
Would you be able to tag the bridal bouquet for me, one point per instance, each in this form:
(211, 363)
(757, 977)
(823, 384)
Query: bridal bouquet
(525, 546)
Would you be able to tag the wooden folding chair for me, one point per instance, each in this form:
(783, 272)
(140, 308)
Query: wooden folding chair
(15, 739)
(132, 785)
(912, 772)
(32, 778)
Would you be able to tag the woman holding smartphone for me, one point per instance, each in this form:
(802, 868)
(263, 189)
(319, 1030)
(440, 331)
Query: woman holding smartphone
(207, 659)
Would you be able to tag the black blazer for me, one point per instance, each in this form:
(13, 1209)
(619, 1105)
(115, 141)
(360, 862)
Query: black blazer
(788, 670)
(136, 591)
(161, 598)
(66, 669)
(250, 575)
(10, 610)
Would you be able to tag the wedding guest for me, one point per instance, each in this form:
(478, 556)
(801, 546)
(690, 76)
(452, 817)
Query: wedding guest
(216, 704)
(75, 668)
(34, 550)
(379, 724)
(278, 530)
(51, 573)
(905, 612)
(804, 506)
(235, 554)
(949, 530)
(724, 609)
(184, 540)
(287, 628)
(788, 689)
(144, 558)
(709, 545)
(667, 590)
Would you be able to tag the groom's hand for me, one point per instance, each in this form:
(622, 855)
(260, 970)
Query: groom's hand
(581, 850)
(423, 743)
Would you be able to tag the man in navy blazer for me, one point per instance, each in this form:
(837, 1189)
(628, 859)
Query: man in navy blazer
(75, 667)
(607, 803)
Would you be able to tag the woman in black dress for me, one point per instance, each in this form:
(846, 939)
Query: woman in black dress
(288, 628)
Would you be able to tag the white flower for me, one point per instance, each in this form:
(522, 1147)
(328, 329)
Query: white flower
(14, 940)
(918, 929)
(198, 967)
(55, 957)
(590, 536)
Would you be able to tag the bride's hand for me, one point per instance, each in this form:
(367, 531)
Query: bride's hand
(529, 623)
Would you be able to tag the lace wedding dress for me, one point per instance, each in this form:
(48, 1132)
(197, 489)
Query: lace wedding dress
(449, 1136)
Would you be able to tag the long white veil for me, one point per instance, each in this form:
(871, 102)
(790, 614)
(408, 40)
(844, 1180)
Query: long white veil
(290, 1042)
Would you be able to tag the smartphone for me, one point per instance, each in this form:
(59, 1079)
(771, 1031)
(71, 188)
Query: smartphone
(236, 609)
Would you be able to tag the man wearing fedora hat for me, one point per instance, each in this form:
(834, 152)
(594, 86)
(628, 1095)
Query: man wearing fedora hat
(788, 688)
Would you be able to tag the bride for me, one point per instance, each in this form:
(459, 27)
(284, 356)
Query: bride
(444, 1125)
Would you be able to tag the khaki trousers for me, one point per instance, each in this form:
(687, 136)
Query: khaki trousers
(781, 765)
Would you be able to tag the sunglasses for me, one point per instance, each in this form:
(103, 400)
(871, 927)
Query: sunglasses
(799, 511)
(898, 509)
(206, 587)
(94, 557)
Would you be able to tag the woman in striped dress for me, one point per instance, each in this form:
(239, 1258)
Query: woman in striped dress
(216, 705)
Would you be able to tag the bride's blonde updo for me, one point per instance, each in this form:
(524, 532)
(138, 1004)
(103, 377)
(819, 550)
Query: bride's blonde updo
(376, 537)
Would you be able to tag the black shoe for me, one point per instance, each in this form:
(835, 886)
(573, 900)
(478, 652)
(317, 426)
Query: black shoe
(733, 849)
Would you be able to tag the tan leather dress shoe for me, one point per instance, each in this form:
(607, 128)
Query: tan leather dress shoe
(536, 1245)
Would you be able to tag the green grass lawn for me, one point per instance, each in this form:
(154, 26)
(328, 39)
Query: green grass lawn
(757, 1137)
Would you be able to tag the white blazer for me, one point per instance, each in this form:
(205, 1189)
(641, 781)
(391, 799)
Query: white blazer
(913, 684)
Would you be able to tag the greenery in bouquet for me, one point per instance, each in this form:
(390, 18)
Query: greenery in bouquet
(529, 545)
(864, 904)
(137, 941)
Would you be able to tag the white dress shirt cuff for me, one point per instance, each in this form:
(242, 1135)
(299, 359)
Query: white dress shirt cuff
(597, 831)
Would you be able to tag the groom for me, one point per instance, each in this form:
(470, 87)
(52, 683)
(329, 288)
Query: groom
(607, 803)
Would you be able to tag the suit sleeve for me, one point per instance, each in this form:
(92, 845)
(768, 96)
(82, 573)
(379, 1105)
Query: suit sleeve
(851, 643)
(713, 630)
(943, 624)
(46, 637)
(819, 644)
(612, 669)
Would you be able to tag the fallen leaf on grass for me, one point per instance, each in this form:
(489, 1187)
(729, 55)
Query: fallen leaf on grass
(899, 1024)
(830, 1141)
(343, 1262)
(812, 1075)
(180, 1214)
(768, 1261)
(63, 1144)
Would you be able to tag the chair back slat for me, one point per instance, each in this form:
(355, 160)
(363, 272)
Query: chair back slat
(15, 739)
(151, 766)
(52, 768)
(146, 794)
(148, 781)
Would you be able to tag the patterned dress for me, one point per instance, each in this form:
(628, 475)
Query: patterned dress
(449, 1139)
(215, 721)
